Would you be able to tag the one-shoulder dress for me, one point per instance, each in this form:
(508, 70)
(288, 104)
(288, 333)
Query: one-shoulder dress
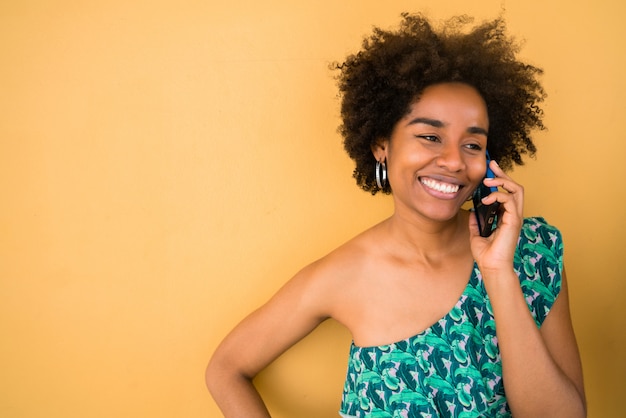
(453, 368)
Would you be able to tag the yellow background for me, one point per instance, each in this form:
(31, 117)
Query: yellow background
(165, 166)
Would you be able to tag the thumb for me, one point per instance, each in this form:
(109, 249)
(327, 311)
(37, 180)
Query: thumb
(473, 224)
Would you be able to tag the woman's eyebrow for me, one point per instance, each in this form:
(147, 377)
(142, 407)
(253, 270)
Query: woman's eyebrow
(477, 130)
(436, 123)
(427, 121)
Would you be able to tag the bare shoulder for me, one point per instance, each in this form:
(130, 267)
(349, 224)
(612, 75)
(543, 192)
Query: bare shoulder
(333, 278)
(354, 254)
(345, 259)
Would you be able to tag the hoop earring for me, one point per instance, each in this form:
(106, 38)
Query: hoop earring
(381, 174)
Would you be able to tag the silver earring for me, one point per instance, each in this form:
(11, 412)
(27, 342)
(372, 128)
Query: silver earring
(381, 174)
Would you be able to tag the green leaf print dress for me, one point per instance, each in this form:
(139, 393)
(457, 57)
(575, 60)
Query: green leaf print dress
(453, 368)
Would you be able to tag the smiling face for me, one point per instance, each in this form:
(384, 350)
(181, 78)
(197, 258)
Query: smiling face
(436, 153)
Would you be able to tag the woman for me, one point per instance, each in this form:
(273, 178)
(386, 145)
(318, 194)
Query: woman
(445, 322)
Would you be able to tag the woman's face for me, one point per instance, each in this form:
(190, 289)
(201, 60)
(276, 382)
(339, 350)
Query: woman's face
(436, 153)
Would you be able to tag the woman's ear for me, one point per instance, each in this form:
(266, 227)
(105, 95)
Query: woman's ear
(379, 149)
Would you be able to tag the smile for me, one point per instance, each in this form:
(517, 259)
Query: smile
(440, 187)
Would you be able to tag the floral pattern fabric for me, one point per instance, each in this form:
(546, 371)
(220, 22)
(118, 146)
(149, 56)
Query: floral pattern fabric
(453, 368)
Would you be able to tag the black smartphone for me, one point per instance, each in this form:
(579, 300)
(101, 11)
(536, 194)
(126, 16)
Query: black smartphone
(486, 215)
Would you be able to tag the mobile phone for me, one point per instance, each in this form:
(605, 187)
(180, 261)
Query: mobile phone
(486, 215)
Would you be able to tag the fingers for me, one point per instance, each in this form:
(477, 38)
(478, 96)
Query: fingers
(506, 184)
(503, 180)
(473, 225)
(513, 199)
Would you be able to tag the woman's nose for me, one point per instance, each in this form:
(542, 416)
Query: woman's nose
(450, 158)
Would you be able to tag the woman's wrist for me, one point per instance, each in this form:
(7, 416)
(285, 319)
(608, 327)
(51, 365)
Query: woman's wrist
(499, 278)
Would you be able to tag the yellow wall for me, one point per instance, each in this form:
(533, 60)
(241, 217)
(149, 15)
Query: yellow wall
(166, 165)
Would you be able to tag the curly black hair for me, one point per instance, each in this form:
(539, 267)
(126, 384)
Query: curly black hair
(378, 85)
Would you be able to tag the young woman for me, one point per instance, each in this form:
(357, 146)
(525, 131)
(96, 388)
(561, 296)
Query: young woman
(445, 322)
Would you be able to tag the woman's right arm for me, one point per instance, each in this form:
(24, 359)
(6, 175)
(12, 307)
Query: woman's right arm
(296, 309)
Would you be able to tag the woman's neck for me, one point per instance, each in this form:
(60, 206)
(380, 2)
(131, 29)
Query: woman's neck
(427, 241)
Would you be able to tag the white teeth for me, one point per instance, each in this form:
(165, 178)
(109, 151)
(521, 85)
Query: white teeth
(441, 187)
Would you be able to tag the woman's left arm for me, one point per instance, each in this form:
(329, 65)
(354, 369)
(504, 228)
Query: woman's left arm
(541, 368)
(558, 334)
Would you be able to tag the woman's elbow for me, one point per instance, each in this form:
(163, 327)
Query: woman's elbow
(214, 375)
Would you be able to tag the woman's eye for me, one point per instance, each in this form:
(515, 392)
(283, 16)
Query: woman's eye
(430, 138)
(475, 147)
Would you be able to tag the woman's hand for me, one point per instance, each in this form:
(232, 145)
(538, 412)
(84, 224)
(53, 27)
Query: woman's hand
(496, 252)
